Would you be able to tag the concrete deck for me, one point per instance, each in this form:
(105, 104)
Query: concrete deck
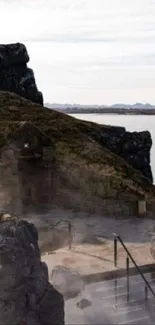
(109, 306)
(91, 259)
(92, 256)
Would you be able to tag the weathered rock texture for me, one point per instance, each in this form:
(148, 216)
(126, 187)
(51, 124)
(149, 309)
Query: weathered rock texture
(78, 170)
(25, 173)
(26, 296)
(134, 147)
(15, 76)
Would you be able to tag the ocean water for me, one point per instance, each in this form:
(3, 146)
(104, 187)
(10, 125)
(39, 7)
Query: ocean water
(130, 122)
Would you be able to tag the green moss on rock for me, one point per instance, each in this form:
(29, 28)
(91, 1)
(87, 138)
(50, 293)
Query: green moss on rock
(75, 150)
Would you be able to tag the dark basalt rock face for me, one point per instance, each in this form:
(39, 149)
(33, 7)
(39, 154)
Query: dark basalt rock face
(26, 296)
(133, 147)
(15, 76)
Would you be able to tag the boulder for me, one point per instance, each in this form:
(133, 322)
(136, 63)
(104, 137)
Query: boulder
(26, 296)
(84, 303)
(15, 76)
(67, 281)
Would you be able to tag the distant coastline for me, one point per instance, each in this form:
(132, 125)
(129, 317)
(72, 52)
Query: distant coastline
(142, 109)
(119, 111)
(110, 111)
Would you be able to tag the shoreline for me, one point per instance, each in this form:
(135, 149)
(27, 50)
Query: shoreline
(70, 112)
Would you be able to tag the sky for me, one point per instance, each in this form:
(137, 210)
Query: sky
(86, 51)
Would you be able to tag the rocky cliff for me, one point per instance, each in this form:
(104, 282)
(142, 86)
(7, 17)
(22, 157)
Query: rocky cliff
(133, 147)
(15, 76)
(86, 173)
(26, 296)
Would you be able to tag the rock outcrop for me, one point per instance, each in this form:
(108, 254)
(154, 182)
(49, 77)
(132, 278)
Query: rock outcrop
(26, 296)
(133, 147)
(82, 170)
(15, 76)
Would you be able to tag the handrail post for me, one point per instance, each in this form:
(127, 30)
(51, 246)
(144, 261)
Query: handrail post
(146, 293)
(70, 234)
(135, 264)
(115, 251)
(115, 286)
(127, 278)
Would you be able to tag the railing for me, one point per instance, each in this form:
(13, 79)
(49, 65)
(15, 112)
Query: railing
(128, 258)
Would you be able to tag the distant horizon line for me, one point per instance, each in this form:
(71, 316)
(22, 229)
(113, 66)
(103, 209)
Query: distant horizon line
(100, 105)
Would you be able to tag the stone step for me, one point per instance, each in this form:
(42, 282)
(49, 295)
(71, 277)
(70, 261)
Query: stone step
(134, 279)
(119, 286)
(106, 309)
(126, 316)
(136, 296)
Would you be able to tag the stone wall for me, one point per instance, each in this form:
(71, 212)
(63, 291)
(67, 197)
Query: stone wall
(25, 185)
(10, 190)
(94, 205)
(33, 189)
(80, 190)
(37, 186)
(15, 76)
(150, 206)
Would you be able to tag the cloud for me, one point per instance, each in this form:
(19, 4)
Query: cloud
(93, 20)
(79, 45)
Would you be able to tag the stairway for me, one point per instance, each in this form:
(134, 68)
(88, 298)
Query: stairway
(110, 305)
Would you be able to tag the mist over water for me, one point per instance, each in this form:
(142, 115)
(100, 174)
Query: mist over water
(130, 122)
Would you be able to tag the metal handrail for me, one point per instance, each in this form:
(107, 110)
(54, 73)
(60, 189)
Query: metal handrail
(116, 237)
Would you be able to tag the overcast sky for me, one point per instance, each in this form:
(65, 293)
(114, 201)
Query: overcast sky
(86, 51)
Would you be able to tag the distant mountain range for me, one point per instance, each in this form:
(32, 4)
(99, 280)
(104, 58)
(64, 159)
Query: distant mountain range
(90, 107)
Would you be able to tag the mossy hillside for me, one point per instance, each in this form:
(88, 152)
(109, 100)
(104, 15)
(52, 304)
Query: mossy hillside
(105, 173)
(76, 150)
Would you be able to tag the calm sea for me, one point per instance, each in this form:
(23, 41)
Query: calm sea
(130, 122)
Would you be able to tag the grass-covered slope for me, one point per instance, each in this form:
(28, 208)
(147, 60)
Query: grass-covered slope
(82, 164)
